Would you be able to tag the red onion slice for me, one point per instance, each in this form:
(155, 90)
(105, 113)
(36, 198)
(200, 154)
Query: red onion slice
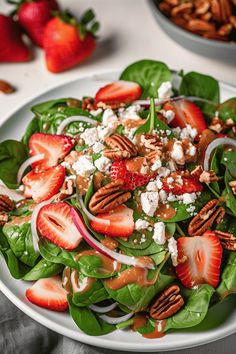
(72, 119)
(91, 216)
(11, 193)
(103, 309)
(121, 258)
(159, 101)
(26, 164)
(116, 320)
(212, 146)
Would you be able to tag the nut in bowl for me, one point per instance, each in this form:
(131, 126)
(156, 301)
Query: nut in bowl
(207, 27)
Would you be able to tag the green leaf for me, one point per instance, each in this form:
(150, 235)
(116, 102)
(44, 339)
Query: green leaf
(204, 86)
(227, 285)
(46, 106)
(19, 236)
(12, 155)
(43, 269)
(194, 310)
(92, 266)
(149, 74)
(32, 128)
(88, 321)
(227, 110)
(88, 16)
(230, 199)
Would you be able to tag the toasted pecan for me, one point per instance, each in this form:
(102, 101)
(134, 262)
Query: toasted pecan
(6, 87)
(208, 177)
(108, 197)
(210, 213)
(119, 142)
(227, 240)
(114, 154)
(167, 304)
(6, 204)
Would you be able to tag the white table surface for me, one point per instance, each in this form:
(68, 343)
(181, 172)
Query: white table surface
(128, 32)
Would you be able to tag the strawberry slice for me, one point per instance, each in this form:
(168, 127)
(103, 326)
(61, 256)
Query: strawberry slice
(43, 185)
(55, 223)
(121, 222)
(132, 180)
(48, 293)
(119, 92)
(185, 184)
(199, 260)
(186, 112)
(54, 148)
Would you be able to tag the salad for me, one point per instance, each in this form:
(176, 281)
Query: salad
(120, 208)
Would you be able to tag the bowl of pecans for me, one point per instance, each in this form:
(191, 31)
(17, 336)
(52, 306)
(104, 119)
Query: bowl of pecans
(207, 27)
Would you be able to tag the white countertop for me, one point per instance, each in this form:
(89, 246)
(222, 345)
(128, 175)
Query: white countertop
(128, 32)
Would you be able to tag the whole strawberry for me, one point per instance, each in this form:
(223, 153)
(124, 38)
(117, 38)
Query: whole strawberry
(67, 42)
(33, 15)
(13, 49)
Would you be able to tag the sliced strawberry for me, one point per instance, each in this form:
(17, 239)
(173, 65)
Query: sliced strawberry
(119, 92)
(182, 185)
(186, 112)
(43, 185)
(55, 223)
(199, 260)
(48, 293)
(132, 180)
(121, 222)
(54, 148)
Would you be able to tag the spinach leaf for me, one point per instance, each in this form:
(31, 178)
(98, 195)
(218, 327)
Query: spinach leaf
(12, 155)
(32, 128)
(91, 266)
(46, 106)
(95, 293)
(149, 74)
(88, 321)
(19, 236)
(228, 224)
(55, 254)
(153, 122)
(229, 196)
(227, 110)
(194, 310)
(229, 160)
(16, 268)
(227, 285)
(136, 297)
(43, 269)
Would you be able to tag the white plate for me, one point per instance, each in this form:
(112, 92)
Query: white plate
(221, 320)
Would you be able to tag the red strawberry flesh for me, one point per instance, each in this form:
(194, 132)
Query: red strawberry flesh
(48, 293)
(188, 185)
(199, 260)
(55, 223)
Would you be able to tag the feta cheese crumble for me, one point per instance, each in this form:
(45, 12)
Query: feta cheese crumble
(177, 153)
(98, 147)
(90, 136)
(165, 90)
(169, 115)
(159, 235)
(149, 202)
(84, 166)
(141, 224)
(172, 247)
(110, 119)
(103, 164)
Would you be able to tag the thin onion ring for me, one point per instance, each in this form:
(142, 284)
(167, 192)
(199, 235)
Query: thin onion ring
(91, 216)
(212, 146)
(11, 193)
(26, 164)
(103, 309)
(72, 119)
(116, 320)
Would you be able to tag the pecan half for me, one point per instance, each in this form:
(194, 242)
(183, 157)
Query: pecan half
(167, 304)
(210, 213)
(208, 177)
(197, 171)
(121, 143)
(233, 186)
(108, 197)
(5, 87)
(114, 154)
(227, 240)
(3, 218)
(6, 204)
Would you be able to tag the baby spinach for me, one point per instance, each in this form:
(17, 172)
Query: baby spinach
(227, 285)
(194, 310)
(227, 110)
(43, 269)
(12, 155)
(229, 196)
(32, 128)
(95, 293)
(42, 107)
(88, 321)
(19, 237)
(55, 254)
(149, 74)
(204, 86)
(92, 266)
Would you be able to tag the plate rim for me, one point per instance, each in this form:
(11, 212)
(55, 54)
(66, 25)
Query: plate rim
(101, 341)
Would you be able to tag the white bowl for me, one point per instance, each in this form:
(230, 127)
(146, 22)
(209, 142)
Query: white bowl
(221, 320)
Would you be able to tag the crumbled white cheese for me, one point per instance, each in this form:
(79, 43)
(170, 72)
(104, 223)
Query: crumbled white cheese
(109, 119)
(171, 197)
(188, 198)
(169, 115)
(156, 165)
(162, 195)
(191, 209)
(163, 172)
(130, 112)
(188, 132)
(90, 136)
(104, 132)
(103, 164)
(172, 247)
(177, 153)
(96, 112)
(141, 224)
(170, 180)
(149, 202)
(191, 151)
(159, 235)
(84, 166)
(144, 169)
(165, 90)
(154, 185)
(98, 147)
